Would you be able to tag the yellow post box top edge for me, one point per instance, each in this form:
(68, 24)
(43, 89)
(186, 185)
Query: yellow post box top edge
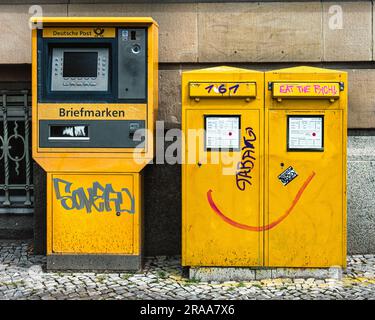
(221, 69)
(84, 20)
(304, 69)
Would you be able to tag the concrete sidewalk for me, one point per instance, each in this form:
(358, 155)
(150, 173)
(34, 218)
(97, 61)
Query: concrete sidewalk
(22, 276)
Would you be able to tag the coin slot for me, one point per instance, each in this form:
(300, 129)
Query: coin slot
(136, 49)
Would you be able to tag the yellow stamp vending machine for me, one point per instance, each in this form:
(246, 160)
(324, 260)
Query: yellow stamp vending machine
(305, 167)
(94, 106)
(222, 172)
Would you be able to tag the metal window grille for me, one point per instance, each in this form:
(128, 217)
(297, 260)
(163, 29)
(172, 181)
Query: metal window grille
(16, 185)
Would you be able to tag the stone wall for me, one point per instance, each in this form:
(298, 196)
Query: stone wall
(361, 191)
(192, 34)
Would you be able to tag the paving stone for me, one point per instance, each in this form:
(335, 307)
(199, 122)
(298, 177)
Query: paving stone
(15, 283)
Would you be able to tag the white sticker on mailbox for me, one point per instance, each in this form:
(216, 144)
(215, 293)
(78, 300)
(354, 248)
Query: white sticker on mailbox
(222, 132)
(305, 133)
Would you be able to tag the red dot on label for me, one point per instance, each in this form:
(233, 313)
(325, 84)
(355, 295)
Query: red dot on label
(314, 134)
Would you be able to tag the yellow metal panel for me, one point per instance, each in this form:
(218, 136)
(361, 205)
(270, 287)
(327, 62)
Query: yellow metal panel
(344, 102)
(225, 90)
(311, 233)
(83, 32)
(310, 209)
(85, 164)
(138, 218)
(226, 74)
(49, 213)
(223, 223)
(152, 86)
(306, 72)
(306, 90)
(49, 158)
(34, 94)
(126, 153)
(73, 21)
(222, 203)
(94, 213)
(71, 227)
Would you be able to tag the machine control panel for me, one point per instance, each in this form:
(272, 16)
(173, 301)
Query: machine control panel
(132, 81)
(93, 87)
(91, 134)
(94, 107)
(79, 69)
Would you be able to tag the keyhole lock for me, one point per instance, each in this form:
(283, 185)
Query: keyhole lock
(199, 164)
(118, 213)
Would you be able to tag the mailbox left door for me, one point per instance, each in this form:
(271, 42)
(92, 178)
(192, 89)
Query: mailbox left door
(93, 213)
(223, 212)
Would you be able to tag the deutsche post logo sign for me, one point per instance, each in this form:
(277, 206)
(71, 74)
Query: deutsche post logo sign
(86, 32)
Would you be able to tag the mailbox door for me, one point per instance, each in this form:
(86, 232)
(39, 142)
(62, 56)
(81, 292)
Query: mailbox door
(222, 215)
(305, 189)
(93, 213)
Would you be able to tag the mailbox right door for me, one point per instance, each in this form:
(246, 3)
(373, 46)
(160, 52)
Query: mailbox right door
(304, 189)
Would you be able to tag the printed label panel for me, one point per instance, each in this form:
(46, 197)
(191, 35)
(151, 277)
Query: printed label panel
(305, 133)
(222, 89)
(313, 90)
(86, 32)
(62, 111)
(222, 132)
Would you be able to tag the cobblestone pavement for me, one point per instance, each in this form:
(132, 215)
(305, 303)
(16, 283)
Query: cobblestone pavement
(23, 276)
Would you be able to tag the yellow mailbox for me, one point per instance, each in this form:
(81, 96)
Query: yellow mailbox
(94, 107)
(222, 172)
(305, 167)
(283, 203)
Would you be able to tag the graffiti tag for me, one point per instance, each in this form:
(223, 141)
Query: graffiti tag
(246, 165)
(97, 197)
(305, 89)
(260, 228)
(222, 88)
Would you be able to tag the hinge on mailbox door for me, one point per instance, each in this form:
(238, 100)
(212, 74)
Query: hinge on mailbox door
(341, 86)
(270, 85)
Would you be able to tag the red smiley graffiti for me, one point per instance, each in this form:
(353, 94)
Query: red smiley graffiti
(260, 228)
